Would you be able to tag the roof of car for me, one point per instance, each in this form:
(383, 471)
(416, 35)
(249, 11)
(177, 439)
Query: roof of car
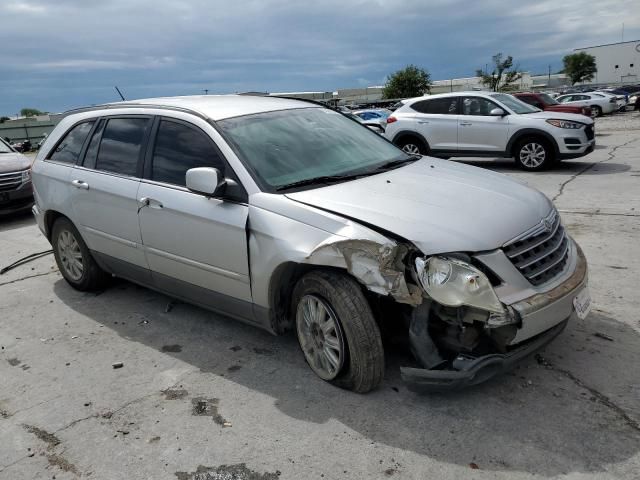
(476, 93)
(215, 107)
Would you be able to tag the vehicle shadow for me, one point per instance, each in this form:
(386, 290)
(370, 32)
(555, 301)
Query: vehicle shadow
(566, 167)
(574, 405)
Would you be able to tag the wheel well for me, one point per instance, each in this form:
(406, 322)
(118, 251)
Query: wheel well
(49, 219)
(530, 133)
(281, 285)
(405, 135)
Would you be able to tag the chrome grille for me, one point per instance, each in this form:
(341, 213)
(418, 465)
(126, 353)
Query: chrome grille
(10, 181)
(542, 253)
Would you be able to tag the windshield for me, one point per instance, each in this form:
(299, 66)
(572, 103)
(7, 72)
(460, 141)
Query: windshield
(292, 146)
(4, 148)
(548, 99)
(514, 104)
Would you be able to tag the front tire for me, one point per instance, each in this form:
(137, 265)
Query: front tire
(534, 154)
(74, 260)
(337, 332)
(596, 111)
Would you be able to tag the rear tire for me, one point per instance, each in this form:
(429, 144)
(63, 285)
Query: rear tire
(534, 154)
(413, 146)
(355, 342)
(596, 111)
(74, 259)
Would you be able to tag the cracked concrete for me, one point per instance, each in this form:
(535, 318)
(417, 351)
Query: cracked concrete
(574, 414)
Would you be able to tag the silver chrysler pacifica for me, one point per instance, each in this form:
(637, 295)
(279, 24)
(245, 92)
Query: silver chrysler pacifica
(291, 216)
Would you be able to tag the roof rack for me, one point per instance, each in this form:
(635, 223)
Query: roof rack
(112, 106)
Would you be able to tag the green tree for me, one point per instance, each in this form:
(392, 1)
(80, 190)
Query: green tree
(411, 81)
(30, 112)
(503, 75)
(579, 67)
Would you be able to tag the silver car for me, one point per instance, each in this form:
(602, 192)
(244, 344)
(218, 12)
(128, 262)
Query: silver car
(291, 217)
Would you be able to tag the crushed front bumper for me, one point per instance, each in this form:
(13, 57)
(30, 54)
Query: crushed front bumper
(477, 370)
(542, 317)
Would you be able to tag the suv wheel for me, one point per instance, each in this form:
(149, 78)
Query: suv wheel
(533, 154)
(337, 332)
(596, 111)
(413, 146)
(74, 260)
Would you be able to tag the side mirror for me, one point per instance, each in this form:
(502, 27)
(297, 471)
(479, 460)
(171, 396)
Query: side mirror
(205, 180)
(497, 112)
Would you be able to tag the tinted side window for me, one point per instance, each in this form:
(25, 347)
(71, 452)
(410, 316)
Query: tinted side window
(179, 148)
(69, 148)
(443, 106)
(477, 106)
(121, 144)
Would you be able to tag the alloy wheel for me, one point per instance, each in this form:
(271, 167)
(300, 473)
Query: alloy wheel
(532, 155)
(70, 255)
(320, 337)
(411, 149)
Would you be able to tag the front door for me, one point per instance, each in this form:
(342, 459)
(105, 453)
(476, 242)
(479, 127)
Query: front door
(196, 246)
(480, 132)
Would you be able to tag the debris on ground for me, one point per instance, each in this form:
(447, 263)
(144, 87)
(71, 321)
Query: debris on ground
(603, 335)
(117, 365)
(224, 472)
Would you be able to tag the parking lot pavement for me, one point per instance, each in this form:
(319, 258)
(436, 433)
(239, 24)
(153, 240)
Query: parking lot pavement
(200, 396)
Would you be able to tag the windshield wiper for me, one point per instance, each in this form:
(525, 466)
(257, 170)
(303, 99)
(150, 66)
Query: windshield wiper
(326, 179)
(398, 162)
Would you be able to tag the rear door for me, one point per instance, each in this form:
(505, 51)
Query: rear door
(105, 191)
(478, 131)
(436, 120)
(196, 245)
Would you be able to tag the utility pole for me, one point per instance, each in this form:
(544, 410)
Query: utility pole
(623, 31)
(549, 81)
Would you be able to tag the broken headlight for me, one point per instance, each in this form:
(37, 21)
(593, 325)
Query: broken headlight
(453, 283)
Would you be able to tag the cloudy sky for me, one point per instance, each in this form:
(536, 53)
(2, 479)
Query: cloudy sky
(60, 54)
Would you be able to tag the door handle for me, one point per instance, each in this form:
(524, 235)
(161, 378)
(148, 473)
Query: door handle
(466, 124)
(149, 202)
(80, 184)
(423, 121)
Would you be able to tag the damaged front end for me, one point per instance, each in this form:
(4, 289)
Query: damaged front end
(459, 331)
(462, 334)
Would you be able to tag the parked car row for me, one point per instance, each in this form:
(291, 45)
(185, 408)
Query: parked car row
(300, 219)
(481, 124)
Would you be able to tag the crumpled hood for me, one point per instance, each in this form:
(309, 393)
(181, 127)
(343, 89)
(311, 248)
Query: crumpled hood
(440, 206)
(13, 162)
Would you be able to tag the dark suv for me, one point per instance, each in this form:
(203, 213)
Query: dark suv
(16, 192)
(545, 102)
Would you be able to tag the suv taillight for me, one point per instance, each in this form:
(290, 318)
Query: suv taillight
(391, 119)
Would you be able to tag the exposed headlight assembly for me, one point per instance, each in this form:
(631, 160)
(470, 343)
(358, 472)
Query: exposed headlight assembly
(565, 124)
(454, 283)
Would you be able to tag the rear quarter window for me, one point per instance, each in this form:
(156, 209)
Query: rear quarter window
(69, 148)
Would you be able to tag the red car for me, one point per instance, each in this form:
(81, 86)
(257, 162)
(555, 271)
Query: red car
(547, 103)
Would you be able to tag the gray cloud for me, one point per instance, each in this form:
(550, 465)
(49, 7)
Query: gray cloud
(65, 53)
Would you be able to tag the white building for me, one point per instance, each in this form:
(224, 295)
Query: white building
(616, 62)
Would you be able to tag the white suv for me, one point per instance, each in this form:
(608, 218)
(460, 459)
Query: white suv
(478, 124)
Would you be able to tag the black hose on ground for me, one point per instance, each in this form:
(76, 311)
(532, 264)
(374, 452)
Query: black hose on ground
(28, 258)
